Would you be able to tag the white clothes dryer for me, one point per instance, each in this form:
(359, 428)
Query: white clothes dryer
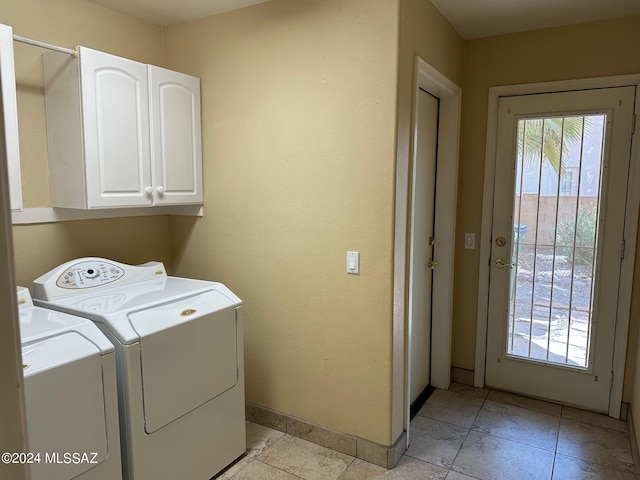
(179, 351)
(71, 400)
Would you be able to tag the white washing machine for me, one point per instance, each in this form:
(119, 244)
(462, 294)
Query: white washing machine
(180, 362)
(70, 394)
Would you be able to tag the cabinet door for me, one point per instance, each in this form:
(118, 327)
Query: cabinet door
(10, 115)
(176, 137)
(116, 129)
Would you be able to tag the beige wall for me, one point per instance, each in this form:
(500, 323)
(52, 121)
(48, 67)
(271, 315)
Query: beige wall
(67, 23)
(579, 51)
(298, 101)
(133, 240)
(425, 32)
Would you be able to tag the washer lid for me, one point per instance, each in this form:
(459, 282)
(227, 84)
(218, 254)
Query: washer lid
(112, 306)
(189, 355)
(64, 403)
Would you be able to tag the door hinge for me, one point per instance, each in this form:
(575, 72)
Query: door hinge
(622, 250)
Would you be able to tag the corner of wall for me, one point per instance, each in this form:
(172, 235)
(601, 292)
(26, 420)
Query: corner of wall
(164, 46)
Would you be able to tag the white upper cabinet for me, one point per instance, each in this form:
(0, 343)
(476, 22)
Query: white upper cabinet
(116, 130)
(10, 115)
(176, 146)
(121, 133)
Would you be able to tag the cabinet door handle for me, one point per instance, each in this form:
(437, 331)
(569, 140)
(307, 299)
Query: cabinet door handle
(160, 189)
(148, 190)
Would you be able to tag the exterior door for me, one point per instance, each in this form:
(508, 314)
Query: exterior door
(421, 252)
(558, 221)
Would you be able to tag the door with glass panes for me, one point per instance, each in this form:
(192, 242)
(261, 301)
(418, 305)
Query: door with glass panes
(562, 165)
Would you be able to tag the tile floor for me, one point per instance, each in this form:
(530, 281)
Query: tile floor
(461, 434)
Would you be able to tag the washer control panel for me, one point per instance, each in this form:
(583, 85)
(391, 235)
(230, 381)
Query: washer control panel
(92, 274)
(89, 274)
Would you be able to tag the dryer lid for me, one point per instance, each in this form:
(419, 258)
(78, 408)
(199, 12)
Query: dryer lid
(37, 323)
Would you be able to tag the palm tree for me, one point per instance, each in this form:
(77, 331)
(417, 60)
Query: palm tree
(549, 139)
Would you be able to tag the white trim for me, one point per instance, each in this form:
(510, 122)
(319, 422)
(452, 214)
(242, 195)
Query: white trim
(631, 225)
(627, 270)
(10, 114)
(485, 238)
(13, 435)
(449, 94)
(429, 79)
(51, 215)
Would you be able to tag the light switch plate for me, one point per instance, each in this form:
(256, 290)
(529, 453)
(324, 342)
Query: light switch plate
(353, 263)
(470, 241)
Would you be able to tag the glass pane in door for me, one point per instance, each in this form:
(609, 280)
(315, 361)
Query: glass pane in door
(555, 230)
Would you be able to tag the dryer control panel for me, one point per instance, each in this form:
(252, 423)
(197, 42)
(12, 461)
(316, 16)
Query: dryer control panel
(92, 274)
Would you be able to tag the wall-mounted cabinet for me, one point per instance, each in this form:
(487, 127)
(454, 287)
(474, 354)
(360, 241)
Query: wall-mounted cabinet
(176, 146)
(10, 115)
(121, 133)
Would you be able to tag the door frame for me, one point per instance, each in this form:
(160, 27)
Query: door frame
(430, 79)
(630, 229)
(13, 438)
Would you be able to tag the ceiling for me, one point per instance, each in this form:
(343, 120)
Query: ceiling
(171, 12)
(485, 18)
(471, 18)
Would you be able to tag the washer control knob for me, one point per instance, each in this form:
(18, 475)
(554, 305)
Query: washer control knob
(92, 273)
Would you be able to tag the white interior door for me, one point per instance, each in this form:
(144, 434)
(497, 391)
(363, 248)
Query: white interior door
(422, 234)
(558, 222)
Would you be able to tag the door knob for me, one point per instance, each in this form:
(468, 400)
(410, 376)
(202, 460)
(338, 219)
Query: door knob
(500, 263)
(432, 264)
